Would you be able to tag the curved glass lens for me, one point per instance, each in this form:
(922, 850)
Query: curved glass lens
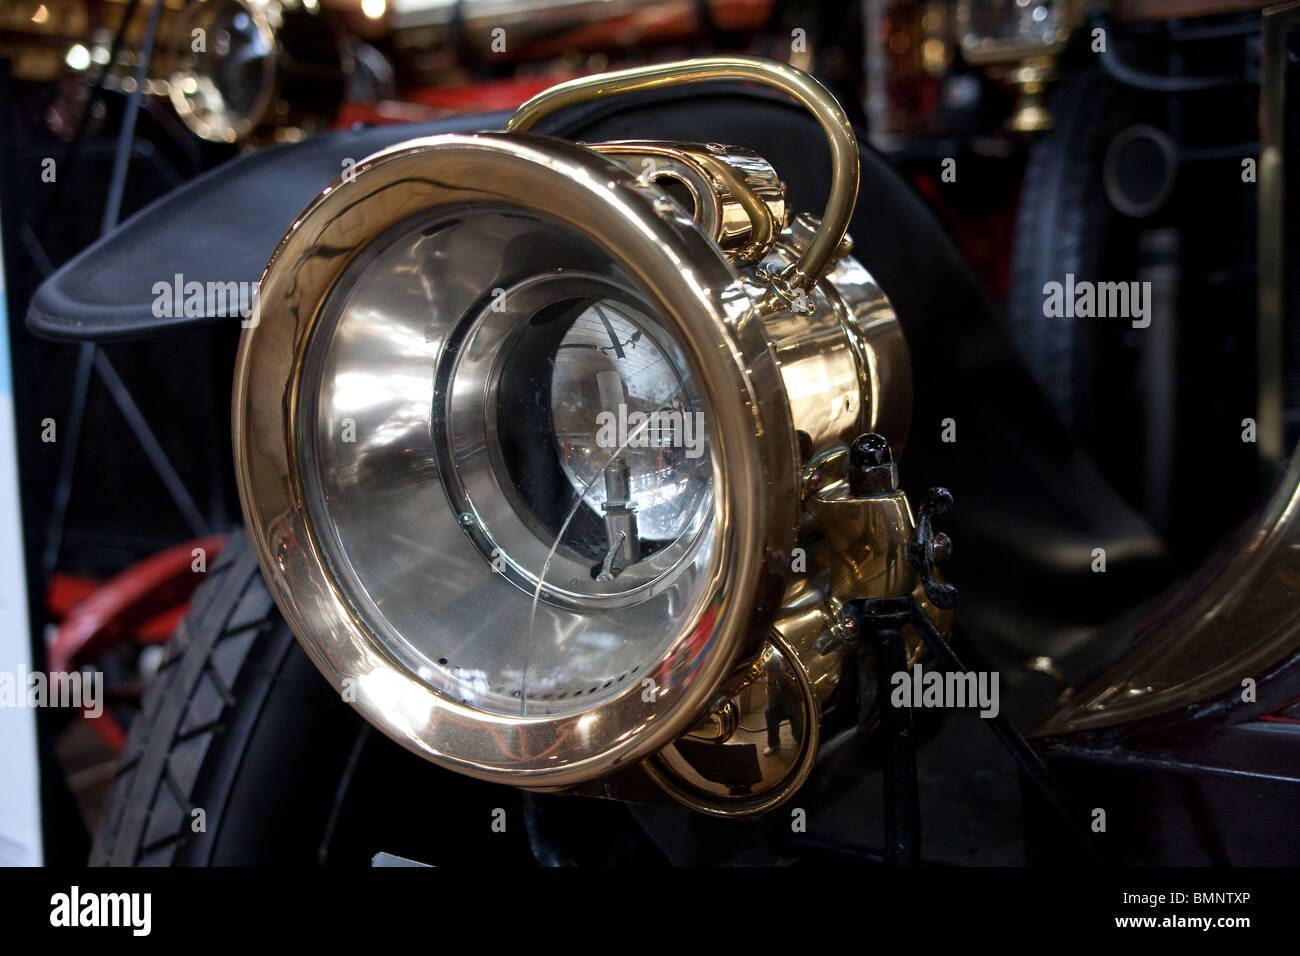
(506, 461)
(614, 386)
(1025, 22)
(225, 82)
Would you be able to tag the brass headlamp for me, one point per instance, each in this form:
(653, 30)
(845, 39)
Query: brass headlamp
(254, 69)
(542, 449)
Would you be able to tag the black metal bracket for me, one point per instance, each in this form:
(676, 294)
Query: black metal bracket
(881, 620)
(920, 550)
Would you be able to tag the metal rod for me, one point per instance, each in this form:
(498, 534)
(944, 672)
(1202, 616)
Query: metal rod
(35, 250)
(149, 442)
(83, 121)
(125, 136)
(902, 801)
(1029, 762)
(54, 525)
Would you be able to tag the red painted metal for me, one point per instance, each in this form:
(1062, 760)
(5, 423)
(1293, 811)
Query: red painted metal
(143, 604)
(160, 583)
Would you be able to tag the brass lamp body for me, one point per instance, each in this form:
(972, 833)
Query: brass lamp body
(846, 371)
(801, 352)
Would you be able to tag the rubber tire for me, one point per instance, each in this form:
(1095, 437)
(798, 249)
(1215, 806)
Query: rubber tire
(1060, 222)
(236, 717)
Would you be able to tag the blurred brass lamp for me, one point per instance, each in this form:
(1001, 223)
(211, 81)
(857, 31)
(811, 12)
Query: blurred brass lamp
(543, 451)
(255, 70)
(1019, 44)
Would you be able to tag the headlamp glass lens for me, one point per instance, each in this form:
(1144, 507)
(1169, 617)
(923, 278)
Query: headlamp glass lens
(616, 388)
(506, 461)
(225, 81)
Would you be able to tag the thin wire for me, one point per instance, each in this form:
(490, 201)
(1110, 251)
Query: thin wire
(546, 565)
(153, 450)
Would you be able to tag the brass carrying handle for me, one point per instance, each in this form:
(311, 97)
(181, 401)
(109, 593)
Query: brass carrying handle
(798, 84)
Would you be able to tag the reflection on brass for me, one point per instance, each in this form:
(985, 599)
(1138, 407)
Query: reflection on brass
(1031, 79)
(844, 362)
(866, 539)
(739, 201)
(1245, 621)
(868, 542)
(1045, 665)
(766, 757)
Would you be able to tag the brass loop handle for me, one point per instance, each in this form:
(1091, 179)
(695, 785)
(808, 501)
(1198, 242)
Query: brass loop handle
(798, 84)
